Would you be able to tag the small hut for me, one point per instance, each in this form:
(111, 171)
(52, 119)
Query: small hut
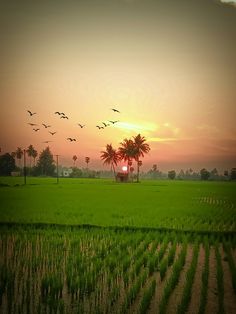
(122, 177)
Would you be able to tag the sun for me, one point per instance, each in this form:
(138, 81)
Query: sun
(124, 168)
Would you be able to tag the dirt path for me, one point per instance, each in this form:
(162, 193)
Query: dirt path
(212, 295)
(229, 296)
(197, 284)
(176, 295)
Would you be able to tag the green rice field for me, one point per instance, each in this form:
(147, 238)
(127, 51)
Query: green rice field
(181, 205)
(96, 246)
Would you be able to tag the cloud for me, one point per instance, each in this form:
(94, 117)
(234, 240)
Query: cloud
(165, 133)
(231, 2)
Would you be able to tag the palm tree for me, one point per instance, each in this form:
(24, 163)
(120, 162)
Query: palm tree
(110, 157)
(19, 154)
(87, 160)
(141, 148)
(34, 155)
(30, 151)
(74, 159)
(127, 151)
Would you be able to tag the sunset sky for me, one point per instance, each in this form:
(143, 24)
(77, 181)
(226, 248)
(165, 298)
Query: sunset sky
(168, 66)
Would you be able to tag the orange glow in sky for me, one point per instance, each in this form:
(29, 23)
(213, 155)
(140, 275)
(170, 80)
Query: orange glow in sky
(169, 68)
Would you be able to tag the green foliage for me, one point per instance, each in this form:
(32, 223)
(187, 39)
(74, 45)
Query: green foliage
(45, 165)
(171, 174)
(205, 175)
(7, 164)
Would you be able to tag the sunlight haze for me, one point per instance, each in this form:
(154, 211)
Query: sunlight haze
(169, 67)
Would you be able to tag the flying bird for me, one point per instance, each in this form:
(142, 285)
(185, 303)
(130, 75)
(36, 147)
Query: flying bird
(47, 142)
(52, 133)
(32, 124)
(64, 117)
(113, 122)
(115, 110)
(81, 125)
(57, 112)
(46, 126)
(31, 113)
(36, 130)
(105, 124)
(71, 139)
(99, 127)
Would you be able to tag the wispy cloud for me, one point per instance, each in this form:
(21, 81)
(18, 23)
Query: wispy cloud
(139, 127)
(231, 2)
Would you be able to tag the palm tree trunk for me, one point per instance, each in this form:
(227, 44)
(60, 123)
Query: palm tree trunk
(114, 171)
(138, 170)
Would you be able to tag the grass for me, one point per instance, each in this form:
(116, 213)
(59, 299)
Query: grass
(169, 204)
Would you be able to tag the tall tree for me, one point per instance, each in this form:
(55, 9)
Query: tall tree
(19, 154)
(140, 148)
(45, 165)
(74, 159)
(127, 152)
(30, 151)
(110, 157)
(7, 164)
(87, 160)
(34, 155)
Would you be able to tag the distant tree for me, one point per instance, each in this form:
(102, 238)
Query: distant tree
(226, 173)
(214, 174)
(19, 154)
(76, 173)
(74, 159)
(154, 168)
(233, 174)
(181, 174)
(110, 157)
(7, 164)
(30, 151)
(204, 174)
(45, 165)
(140, 148)
(87, 160)
(171, 174)
(34, 155)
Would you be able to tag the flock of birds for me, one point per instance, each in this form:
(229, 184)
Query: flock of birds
(64, 116)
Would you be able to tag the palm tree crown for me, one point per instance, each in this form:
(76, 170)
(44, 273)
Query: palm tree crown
(110, 157)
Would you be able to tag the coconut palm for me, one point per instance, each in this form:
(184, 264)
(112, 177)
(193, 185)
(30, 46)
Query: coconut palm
(141, 148)
(34, 155)
(127, 151)
(19, 154)
(29, 152)
(74, 159)
(110, 157)
(87, 160)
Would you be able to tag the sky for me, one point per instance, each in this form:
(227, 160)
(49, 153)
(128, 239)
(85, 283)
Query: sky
(168, 66)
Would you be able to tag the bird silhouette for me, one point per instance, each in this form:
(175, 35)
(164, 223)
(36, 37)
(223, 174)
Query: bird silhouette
(32, 124)
(99, 127)
(52, 133)
(105, 124)
(64, 117)
(36, 130)
(81, 125)
(113, 122)
(71, 139)
(57, 112)
(46, 126)
(47, 142)
(31, 113)
(115, 110)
